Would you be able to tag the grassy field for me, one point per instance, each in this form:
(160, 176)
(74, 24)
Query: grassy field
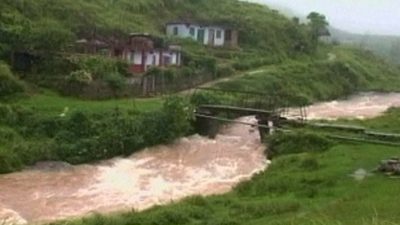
(53, 104)
(316, 187)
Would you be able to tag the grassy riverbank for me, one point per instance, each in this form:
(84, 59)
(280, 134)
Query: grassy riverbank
(316, 187)
(46, 126)
(49, 127)
(315, 79)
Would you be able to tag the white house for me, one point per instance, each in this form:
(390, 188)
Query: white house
(144, 51)
(212, 35)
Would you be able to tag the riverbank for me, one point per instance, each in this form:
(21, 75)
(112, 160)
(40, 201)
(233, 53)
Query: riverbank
(334, 185)
(155, 175)
(84, 132)
(197, 165)
(46, 126)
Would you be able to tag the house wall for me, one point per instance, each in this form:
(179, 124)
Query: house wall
(218, 41)
(184, 32)
(137, 58)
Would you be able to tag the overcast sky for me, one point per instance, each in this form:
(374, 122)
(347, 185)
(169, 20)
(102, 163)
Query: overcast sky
(360, 16)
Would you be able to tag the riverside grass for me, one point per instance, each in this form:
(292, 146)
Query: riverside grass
(86, 133)
(300, 82)
(302, 188)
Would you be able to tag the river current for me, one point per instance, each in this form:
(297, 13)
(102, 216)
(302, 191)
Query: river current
(193, 165)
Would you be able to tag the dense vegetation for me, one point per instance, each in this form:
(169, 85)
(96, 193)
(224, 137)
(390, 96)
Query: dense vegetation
(309, 184)
(305, 81)
(315, 183)
(28, 136)
(25, 24)
(265, 37)
(9, 84)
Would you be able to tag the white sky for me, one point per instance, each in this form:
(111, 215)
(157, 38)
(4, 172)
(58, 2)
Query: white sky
(360, 16)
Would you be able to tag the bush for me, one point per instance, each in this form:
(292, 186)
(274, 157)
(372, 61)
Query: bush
(8, 83)
(115, 81)
(223, 71)
(100, 67)
(81, 137)
(80, 77)
(297, 142)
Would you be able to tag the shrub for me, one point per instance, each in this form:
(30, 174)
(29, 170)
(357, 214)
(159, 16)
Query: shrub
(298, 142)
(9, 84)
(99, 66)
(223, 71)
(115, 81)
(80, 77)
(9, 161)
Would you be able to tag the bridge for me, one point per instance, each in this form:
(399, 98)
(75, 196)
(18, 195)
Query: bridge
(216, 106)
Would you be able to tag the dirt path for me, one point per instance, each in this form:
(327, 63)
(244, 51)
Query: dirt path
(225, 79)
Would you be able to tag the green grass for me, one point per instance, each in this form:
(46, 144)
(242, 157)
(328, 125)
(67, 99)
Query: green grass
(390, 122)
(53, 104)
(309, 80)
(289, 192)
(313, 187)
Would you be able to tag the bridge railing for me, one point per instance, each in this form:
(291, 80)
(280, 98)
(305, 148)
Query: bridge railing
(248, 99)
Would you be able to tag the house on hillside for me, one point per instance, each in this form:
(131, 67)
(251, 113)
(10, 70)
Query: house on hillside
(207, 34)
(144, 51)
(141, 51)
(92, 46)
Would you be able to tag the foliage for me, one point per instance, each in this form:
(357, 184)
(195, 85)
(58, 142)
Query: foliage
(288, 193)
(80, 77)
(115, 81)
(24, 23)
(302, 82)
(225, 70)
(291, 143)
(57, 37)
(318, 25)
(100, 67)
(86, 136)
(9, 84)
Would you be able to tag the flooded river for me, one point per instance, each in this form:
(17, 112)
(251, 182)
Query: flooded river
(158, 175)
(362, 106)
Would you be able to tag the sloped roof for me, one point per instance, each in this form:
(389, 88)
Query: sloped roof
(202, 24)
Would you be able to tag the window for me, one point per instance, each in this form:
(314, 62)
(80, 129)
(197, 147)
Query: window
(176, 31)
(219, 34)
(192, 31)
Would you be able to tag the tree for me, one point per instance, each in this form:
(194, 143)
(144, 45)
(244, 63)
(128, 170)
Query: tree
(318, 26)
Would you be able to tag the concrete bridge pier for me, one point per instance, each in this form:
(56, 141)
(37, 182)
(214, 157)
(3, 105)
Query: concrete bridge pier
(267, 125)
(207, 127)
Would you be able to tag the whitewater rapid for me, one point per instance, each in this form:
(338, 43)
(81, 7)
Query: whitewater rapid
(158, 175)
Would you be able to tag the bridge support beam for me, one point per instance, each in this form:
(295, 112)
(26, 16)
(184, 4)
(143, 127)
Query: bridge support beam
(207, 127)
(266, 123)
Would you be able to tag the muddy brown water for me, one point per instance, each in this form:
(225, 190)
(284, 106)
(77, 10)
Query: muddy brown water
(362, 106)
(158, 175)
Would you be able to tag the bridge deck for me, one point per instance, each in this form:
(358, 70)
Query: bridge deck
(248, 111)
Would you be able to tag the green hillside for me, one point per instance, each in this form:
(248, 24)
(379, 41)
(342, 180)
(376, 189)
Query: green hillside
(26, 24)
(38, 37)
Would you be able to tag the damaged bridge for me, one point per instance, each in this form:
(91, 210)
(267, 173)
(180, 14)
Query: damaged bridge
(216, 106)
